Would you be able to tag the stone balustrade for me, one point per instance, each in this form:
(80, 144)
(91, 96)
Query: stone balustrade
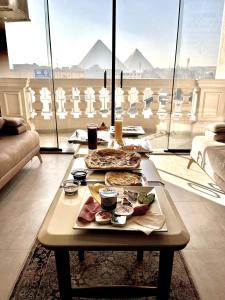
(139, 102)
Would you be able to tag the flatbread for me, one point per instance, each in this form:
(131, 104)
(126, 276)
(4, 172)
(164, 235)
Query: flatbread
(113, 159)
(122, 179)
(132, 148)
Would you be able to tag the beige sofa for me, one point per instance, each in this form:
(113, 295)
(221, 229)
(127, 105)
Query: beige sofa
(210, 156)
(15, 151)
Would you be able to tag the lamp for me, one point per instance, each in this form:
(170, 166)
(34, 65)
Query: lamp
(14, 10)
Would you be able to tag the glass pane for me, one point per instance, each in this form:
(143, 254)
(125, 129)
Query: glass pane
(29, 77)
(198, 94)
(81, 51)
(146, 41)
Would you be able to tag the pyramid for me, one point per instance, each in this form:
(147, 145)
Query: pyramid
(137, 62)
(100, 55)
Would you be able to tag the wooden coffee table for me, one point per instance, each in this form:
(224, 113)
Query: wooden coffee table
(57, 234)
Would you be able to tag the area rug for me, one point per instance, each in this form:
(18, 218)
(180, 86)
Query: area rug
(38, 279)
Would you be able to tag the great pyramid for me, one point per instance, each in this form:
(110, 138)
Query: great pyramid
(137, 62)
(100, 55)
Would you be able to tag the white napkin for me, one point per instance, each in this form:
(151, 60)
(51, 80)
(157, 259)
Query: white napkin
(147, 223)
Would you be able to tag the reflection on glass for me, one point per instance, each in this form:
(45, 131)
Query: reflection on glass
(29, 64)
(199, 58)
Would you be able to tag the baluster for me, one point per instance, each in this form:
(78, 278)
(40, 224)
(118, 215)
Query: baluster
(119, 100)
(178, 103)
(89, 95)
(147, 99)
(104, 100)
(194, 104)
(163, 99)
(133, 99)
(75, 100)
(61, 100)
(30, 99)
(45, 98)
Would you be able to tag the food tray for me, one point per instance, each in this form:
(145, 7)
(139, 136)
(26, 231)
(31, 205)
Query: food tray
(129, 130)
(155, 208)
(80, 136)
(133, 144)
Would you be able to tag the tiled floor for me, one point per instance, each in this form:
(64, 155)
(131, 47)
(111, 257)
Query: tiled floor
(25, 200)
(202, 207)
(23, 205)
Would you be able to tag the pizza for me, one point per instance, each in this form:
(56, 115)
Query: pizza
(122, 178)
(113, 159)
(132, 148)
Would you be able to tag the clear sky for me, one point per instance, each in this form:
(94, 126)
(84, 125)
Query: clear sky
(149, 25)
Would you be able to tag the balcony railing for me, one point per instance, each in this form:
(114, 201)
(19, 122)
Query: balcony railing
(140, 102)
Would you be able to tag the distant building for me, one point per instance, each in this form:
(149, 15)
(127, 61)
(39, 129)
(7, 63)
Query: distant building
(99, 58)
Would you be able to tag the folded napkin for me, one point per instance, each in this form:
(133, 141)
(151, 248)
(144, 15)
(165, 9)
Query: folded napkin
(88, 211)
(147, 223)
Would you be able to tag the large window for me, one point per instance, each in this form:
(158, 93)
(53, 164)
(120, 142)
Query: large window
(169, 67)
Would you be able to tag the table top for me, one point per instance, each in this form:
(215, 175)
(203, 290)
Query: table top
(57, 228)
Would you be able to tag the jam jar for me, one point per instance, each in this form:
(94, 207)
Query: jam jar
(108, 198)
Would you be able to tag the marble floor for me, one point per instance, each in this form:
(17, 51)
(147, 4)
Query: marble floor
(25, 200)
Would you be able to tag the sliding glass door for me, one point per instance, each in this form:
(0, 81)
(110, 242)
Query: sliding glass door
(198, 92)
(158, 64)
(145, 52)
(28, 81)
(81, 43)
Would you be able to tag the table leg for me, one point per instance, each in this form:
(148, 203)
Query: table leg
(140, 254)
(165, 272)
(81, 255)
(63, 273)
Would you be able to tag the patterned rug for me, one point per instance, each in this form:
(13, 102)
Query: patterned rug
(38, 278)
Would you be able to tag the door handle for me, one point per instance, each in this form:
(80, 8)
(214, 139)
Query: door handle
(105, 79)
(121, 79)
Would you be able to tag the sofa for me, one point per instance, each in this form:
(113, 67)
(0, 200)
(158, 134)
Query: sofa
(210, 156)
(18, 145)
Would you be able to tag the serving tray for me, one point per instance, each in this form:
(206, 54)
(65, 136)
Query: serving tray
(80, 136)
(154, 208)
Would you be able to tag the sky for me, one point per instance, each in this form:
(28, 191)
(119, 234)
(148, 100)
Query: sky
(149, 25)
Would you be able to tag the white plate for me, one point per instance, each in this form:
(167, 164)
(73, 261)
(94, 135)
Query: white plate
(144, 143)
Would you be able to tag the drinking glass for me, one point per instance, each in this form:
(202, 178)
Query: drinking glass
(118, 129)
(92, 136)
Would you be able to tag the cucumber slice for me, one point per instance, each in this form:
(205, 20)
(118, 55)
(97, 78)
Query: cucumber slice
(144, 198)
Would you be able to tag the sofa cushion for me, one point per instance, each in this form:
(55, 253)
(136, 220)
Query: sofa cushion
(11, 130)
(2, 122)
(15, 147)
(219, 137)
(216, 127)
(13, 121)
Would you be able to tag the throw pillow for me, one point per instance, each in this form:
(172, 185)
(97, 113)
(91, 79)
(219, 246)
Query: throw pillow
(219, 137)
(14, 121)
(12, 130)
(216, 127)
